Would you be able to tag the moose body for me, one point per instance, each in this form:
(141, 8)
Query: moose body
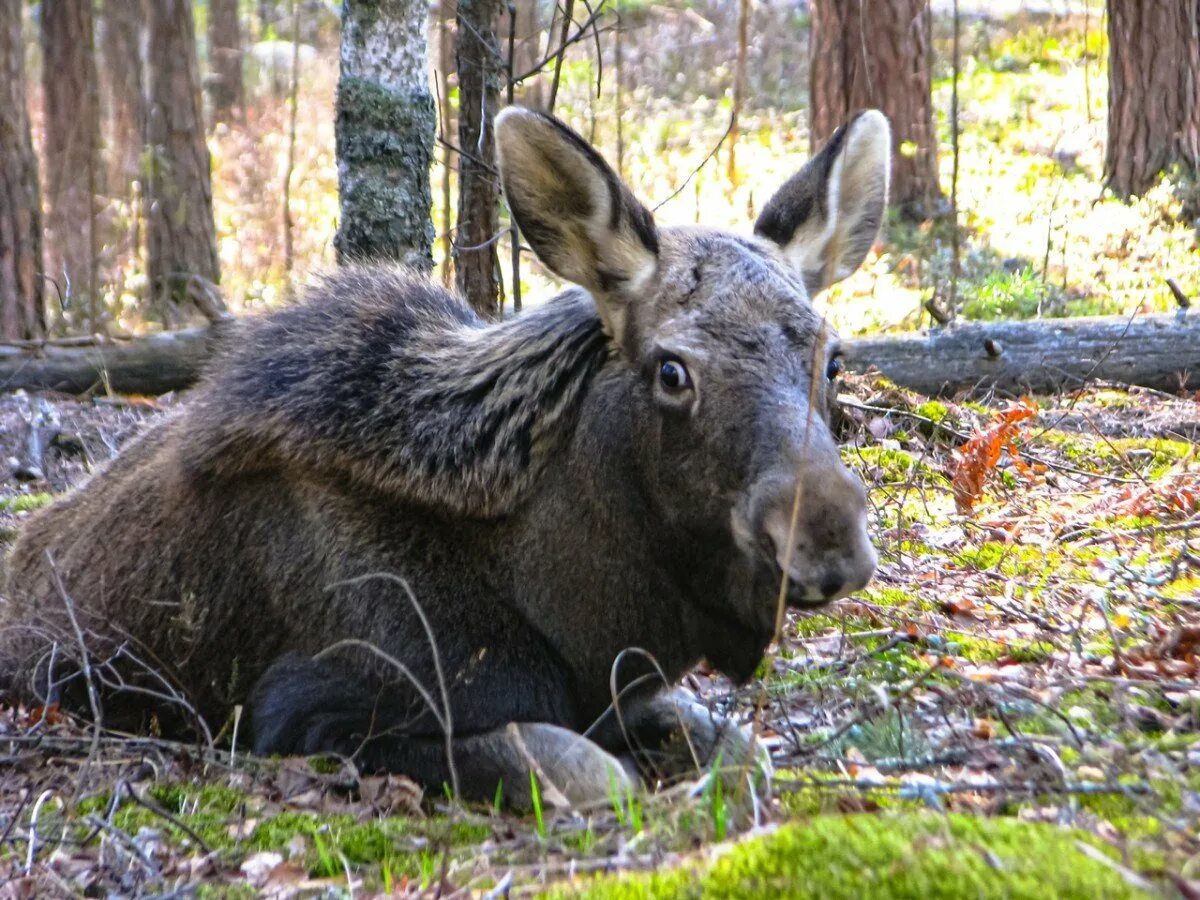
(447, 547)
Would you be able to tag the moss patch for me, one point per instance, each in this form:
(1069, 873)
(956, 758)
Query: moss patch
(905, 855)
(24, 502)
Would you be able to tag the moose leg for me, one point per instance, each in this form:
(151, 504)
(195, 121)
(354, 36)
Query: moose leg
(307, 706)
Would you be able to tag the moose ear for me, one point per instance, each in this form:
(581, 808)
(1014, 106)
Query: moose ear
(827, 215)
(582, 222)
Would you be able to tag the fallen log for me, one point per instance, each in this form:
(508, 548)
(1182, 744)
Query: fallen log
(154, 364)
(1044, 356)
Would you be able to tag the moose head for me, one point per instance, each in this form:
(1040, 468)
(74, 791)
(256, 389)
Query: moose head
(736, 369)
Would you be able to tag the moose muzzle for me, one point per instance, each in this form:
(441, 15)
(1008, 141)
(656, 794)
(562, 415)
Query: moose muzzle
(810, 522)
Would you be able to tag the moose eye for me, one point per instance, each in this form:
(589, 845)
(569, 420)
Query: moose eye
(673, 375)
(835, 368)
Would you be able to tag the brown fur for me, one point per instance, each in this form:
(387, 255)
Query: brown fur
(549, 501)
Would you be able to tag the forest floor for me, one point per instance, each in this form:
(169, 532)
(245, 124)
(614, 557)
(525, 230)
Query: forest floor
(1010, 709)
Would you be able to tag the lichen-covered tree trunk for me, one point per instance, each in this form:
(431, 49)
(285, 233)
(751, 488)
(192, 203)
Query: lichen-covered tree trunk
(71, 153)
(225, 88)
(476, 265)
(22, 314)
(876, 53)
(181, 243)
(1153, 91)
(384, 128)
(122, 24)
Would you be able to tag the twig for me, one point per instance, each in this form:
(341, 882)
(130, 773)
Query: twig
(162, 813)
(568, 11)
(696, 171)
(444, 718)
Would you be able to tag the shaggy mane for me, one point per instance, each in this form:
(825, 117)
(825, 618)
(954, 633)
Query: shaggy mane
(381, 375)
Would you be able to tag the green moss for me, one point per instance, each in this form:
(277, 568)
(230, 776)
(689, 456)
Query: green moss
(888, 465)
(1013, 560)
(887, 856)
(25, 502)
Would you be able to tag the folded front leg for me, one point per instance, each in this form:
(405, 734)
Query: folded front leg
(307, 706)
(673, 735)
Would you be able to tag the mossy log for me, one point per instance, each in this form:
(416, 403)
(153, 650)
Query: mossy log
(1047, 356)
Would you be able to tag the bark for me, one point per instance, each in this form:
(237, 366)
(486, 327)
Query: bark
(476, 264)
(181, 239)
(1153, 92)
(71, 152)
(121, 45)
(876, 54)
(1159, 351)
(22, 312)
(384, 128)
(225, 87)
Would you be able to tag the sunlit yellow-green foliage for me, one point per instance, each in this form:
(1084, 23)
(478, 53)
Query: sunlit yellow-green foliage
(1032, 95)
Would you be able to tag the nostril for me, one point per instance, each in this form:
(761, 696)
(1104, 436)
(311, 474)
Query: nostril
(831, 585)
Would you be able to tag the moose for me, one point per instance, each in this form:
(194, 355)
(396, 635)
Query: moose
(466, 550)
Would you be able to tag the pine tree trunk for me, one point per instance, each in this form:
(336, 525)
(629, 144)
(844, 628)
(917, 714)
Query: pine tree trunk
(181, 240)
(225, 88)
(22, 313)
(71, 151)
(1153, 91)
(384, 128)
(476, 265)
(121, 43)
(876, 54)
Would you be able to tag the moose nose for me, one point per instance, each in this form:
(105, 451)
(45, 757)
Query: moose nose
(825, 552)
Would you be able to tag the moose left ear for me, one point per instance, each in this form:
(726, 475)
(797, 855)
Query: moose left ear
(827, 215)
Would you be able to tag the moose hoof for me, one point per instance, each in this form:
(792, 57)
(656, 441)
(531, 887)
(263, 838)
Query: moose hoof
(572, 771)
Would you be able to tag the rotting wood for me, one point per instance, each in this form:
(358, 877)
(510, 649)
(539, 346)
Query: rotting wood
(1045, 356)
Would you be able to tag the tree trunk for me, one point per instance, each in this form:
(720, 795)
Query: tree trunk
(476, 264)
(71, 151)
(1153, 92)
(121, 43)
(876, 53)
(181, 240)
(385, 127)
(225, 88)
(1160, 351)
(22, 313)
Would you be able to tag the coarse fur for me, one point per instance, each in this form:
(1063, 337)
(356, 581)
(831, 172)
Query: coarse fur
(546, 496)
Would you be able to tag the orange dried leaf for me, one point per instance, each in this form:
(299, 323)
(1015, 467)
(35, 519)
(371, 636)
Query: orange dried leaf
(974, 461)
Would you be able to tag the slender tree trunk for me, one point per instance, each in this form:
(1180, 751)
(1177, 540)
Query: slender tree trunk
(476, 264)
(267, 20)
(22, 313)
(181, 238)
(876, 53)
(121, 44)
(385, 125)
(72, 137)
(1153, 91)
(225, 88)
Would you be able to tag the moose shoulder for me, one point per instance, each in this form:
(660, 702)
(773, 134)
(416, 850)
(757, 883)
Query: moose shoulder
(443, 546)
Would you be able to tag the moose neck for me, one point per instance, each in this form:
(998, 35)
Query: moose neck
(472, 416)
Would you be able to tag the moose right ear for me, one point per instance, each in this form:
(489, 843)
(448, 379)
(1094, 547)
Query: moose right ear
(582, 222)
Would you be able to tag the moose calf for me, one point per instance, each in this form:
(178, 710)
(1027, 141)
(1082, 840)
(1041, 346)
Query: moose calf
(448, 547)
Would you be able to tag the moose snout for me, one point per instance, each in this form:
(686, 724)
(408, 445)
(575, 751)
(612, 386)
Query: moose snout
(813, 527)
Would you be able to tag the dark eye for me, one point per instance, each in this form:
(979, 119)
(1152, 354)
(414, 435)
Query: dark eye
(673, 375)
(835, 368)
